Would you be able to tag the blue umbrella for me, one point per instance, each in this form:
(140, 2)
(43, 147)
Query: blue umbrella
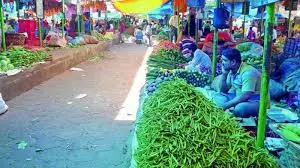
(277, 15)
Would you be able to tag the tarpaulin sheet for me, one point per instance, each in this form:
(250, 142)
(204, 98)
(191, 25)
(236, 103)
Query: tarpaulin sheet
(137, 6)
(165, 9)
(196, 3)
(181, 4)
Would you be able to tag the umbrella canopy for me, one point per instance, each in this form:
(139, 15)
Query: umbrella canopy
(165, 9)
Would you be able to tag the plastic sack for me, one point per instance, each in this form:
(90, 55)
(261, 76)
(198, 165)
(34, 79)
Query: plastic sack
(276, 89)
(90, 39)
(3, 106)
(55, 41)
(250, 50)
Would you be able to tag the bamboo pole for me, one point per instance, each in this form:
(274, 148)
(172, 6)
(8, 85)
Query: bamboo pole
(2, 27)
(215, 42)
(63, 19)
(264, 93)
(244, 22)
(289, 19)
(231, 19)
(197, 27)
(178, 23)
(261, 20)
(40, 31)
(189, 23)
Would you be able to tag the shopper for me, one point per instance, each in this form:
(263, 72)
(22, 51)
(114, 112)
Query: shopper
(3, 106)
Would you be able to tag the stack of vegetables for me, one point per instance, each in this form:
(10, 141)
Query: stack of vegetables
(165, 44)
(194, 78)
(101, 37)
(163, 58)
(162, 36)
(181, 128)
(19, 57)
(251, 53)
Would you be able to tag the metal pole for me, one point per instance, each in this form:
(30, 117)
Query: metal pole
(63, 19)
(264, 92)
(2, 27)
(40, 31)
(289, 20)
(215, 42)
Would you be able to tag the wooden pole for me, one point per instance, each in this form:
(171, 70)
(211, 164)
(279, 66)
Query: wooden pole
(40, 31)
(63, 19)
(231, 19)
(244, 22)
(261, 20)
(289, 20)
(264, 92)
(3, 43)
(215, 42)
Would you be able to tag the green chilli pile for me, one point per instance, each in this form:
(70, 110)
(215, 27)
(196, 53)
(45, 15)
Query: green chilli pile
(181, 128)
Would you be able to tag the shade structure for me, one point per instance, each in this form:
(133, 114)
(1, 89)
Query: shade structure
(137, 6)
(196, 3)
(181, 5)
(165, 9)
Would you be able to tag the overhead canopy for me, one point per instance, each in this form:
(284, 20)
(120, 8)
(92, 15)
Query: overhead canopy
(165, 9)
(137, 6)
(181, 4)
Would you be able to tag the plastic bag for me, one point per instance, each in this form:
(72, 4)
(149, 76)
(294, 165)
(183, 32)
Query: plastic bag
(3, 106)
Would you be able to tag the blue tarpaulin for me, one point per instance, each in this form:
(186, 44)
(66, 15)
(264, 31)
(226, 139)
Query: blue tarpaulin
(238, 9)
(196, 3)
(165, 9)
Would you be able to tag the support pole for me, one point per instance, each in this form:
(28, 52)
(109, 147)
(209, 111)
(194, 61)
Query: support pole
(189, 23)
(40, 31)
(215, 42)
(197, 27)
(264, 92)
(231, 19)
(289, 20)
(261, 20)
(178, 22)
(244, 22)
(63, 19)
(2, 27)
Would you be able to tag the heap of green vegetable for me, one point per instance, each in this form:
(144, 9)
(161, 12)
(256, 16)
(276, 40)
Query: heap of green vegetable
(20, 57)
(181, 128)
(163, 58)
(101, 37)
(194, 78)
(5, 64)
(251, 53)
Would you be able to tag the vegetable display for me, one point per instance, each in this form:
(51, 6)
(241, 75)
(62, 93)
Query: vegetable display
(290, 132)
(20, 57)
(5, 64)
(181, 128)
(101, 37)
(194, 78)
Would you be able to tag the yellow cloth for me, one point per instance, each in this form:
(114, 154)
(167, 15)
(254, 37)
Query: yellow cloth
(137, 6)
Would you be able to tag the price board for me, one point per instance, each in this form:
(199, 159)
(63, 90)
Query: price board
(258, 3)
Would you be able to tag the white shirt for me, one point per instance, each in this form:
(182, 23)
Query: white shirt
(274, 36)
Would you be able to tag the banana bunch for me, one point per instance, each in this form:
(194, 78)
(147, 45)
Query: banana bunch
(290, 132)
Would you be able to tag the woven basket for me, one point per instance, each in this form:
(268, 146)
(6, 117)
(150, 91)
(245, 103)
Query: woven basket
(15, 39)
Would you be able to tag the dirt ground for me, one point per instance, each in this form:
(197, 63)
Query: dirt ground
(47, 127)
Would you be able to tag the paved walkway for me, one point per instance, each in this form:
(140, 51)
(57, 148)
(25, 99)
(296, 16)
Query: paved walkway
(47, 127)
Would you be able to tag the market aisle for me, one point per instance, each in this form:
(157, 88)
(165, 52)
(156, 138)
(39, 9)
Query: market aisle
(52, 129)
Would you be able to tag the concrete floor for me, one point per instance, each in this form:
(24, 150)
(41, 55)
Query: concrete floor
(63, 132)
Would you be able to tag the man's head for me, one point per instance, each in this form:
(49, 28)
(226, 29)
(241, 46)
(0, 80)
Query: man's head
(231, 59)
(250, 28)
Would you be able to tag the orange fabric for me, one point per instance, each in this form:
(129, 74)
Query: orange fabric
(181, 4)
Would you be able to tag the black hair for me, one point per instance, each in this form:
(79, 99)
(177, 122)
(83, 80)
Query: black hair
(232, 54)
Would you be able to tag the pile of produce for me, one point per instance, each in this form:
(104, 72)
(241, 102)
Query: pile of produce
(191, 77)
(5, 64)
(181, 128)
(20, 57)
(251, 53)
(101, 37)
(290, 132)
(165, 44)
(163, 58)
(162, 36)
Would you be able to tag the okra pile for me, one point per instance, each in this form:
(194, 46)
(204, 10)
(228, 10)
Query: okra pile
(181, 128)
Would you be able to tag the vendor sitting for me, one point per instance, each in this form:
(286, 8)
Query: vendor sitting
(240, 83)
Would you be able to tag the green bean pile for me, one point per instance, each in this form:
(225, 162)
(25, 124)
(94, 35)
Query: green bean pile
(181, 128)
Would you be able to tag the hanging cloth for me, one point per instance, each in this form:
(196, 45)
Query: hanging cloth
(137, 6)
(181, 4)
